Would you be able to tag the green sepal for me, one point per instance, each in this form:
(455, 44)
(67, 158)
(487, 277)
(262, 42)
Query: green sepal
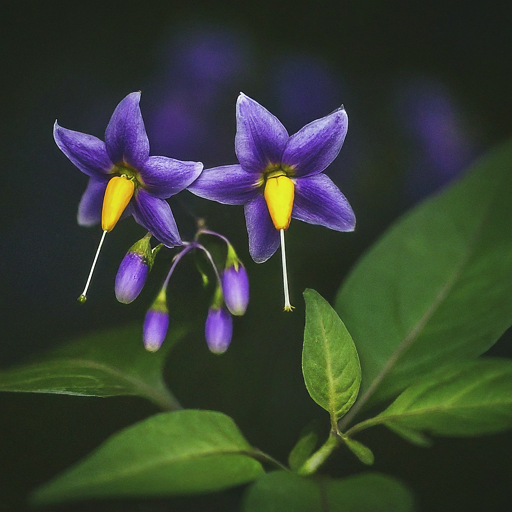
(232, 259)
(143, 247)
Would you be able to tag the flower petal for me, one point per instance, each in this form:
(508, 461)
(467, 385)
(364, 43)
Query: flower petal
(315, 146)
(155, 215)
(228, 184)
(164, 177)
(263, 236)
(260, 136)
(319, 201)
(87, 152)
(91, 204)
(125, 136)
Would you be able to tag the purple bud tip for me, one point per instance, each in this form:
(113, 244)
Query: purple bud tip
(218, 330)
(131, 277)
(235, 287)
(155, 328)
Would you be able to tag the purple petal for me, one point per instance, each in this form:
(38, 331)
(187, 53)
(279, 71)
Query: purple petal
(228, 184)
(316, 145)
(155, 215)
(319, 201)
(164, 177)
(263, 236)
(260, 136)
(91, 204)
(125, 136)
(87, 152)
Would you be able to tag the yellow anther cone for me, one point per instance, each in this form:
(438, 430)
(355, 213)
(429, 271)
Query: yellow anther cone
(117, 196)
(279, 194)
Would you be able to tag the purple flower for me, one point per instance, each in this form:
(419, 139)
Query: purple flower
(218, 330)
(267, 154)
(122, 175)
(155, 328)
(235, 288)
(280, 177)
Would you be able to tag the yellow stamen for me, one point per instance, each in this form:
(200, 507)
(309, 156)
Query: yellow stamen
(117, 196)
(279, 194)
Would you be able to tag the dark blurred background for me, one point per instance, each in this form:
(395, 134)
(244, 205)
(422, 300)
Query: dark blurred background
(427, 87)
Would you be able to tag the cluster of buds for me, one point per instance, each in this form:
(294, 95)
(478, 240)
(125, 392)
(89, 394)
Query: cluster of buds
(230, 298)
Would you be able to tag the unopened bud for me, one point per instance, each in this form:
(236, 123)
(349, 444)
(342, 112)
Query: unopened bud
(131, 277)
(134, 270)
(155, 328)
(218, 330)
(235, 288)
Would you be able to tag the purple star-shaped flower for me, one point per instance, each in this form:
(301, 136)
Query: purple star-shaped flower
(125, 153)
(265, 152)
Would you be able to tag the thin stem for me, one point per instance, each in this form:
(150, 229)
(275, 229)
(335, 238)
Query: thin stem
(177, 258)
(287, 305)
(210, 259)
(362, 426)
(321, 455)
(83, 296)
(213, 233)
(263, 457)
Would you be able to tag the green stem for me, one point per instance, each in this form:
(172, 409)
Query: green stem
(362, 426)
(321, 455)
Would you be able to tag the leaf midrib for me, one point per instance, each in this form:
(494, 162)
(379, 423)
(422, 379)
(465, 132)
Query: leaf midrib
(104, 478)
(136, 383)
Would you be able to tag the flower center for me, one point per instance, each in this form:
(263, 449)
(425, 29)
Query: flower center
(279, 194)
(119, 191)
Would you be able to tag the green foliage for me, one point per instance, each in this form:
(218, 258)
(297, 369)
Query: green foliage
(362, 452)
(329, 358)
(280, 491)
(304, 447)
(174, 453)
(467, 399)
(436, 289)
(107, 363)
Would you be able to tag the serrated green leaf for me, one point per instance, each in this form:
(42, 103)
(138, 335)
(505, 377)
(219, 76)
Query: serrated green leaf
(466, 399)
(329, 358)
(177, 453)
(437, 287)
(107, 363)
(361, 451)
(304, 447)
(280, 491)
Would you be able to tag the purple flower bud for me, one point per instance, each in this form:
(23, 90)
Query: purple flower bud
(131, 277)
(235, 287)
(218, 330)
(155, 328)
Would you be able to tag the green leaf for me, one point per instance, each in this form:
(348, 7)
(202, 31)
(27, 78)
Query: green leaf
(176, 453)
(466, 399)
(107, 363)
(361, 451)
(437, 287)
(329, 358)
(413, 436)
(280, 491)
(304, 447)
